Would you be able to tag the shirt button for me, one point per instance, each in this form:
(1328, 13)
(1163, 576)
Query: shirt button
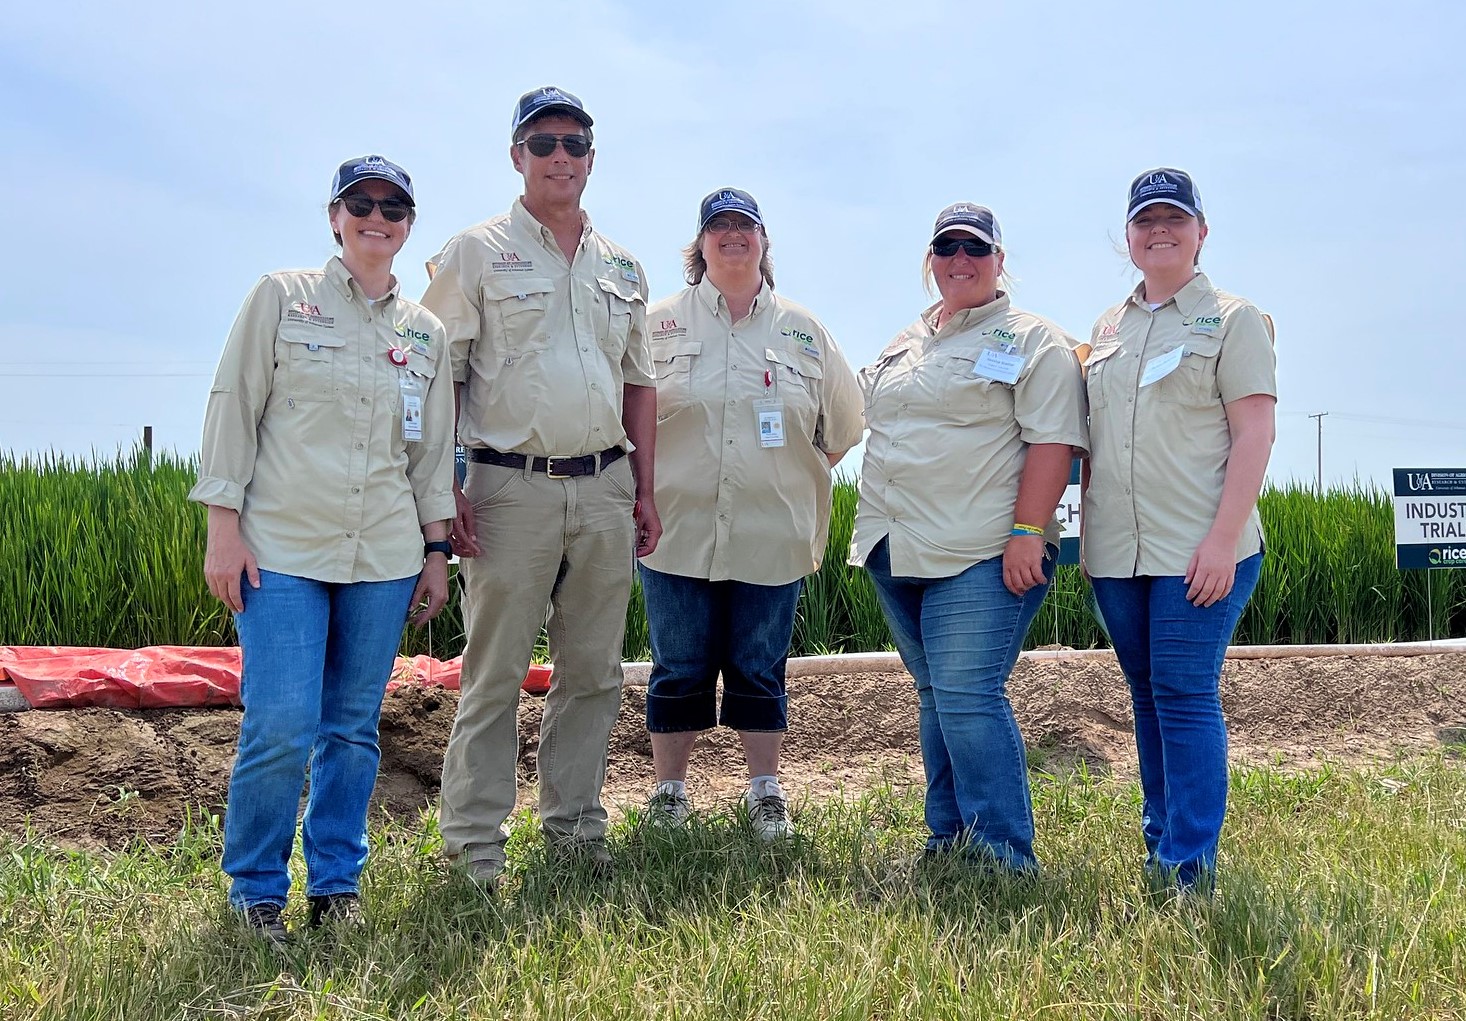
(351, 535)
(730, 443)
(366, 319)
(577, 311)
(595, 386)
(731, 403)
(356, 489)
(733, 367)
(583, 348)
(366, 358)
(366, 400)
(359, 446)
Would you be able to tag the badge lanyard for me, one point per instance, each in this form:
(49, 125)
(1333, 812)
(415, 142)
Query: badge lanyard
(409, 383)
(769, 415)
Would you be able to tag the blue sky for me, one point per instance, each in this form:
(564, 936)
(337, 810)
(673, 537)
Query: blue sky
(170, 153)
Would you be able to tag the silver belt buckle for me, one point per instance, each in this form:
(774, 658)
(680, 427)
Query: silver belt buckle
(550, 472)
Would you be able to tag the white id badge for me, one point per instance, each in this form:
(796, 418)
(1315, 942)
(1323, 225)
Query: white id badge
(411, 417)
(1161, 366)
(770, 418)
(999, 366)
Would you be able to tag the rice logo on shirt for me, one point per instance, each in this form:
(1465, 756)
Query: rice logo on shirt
(625, 265)
(420, 340)
(305, 312)
(806, 342)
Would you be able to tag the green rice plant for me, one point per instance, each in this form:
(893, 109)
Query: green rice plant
(110, 553)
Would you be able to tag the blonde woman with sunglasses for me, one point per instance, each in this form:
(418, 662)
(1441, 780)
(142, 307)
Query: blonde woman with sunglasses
(975, 413)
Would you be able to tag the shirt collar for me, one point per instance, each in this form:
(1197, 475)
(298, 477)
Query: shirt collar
(522, 219)
(1186, 299)
(965, 318)
(713, 298)
(342, 280)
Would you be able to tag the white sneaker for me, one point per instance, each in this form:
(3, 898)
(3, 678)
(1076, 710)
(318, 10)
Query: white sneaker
(667, 806)
(769, 814)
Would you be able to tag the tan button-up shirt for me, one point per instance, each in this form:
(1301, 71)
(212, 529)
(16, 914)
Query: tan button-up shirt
(1160, 449)
(303, 435)
(731, 508)
(543, 345)
(948, 438)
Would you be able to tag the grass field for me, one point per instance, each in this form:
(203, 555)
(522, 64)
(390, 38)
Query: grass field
(1343, 897)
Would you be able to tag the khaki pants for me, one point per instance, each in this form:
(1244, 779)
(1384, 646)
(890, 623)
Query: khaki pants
(562, 545)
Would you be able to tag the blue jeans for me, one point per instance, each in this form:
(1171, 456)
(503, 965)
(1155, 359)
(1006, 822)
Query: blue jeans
(701, 628)
(317, 657)
(960, 637)
(1171, 653)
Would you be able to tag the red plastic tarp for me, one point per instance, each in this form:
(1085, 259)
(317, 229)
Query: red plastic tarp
(173, 676)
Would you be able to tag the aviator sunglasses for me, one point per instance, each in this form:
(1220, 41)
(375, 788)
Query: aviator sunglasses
(360, 206)
(576, 146)
(974, 248)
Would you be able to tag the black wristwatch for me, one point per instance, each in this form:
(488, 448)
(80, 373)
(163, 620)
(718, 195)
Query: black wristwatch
(442, 546)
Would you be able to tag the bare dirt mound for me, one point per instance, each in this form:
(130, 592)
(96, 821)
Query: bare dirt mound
(98, 777)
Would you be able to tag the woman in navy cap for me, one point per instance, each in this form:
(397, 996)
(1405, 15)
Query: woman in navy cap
(1182, 388)
(327, 472)
(976, 412)
(755, 405)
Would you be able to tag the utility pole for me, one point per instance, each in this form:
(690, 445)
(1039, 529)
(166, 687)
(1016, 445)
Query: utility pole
(1320, 417)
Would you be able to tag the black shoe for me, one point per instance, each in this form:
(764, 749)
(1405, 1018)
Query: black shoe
(264, 921)
(341, 909)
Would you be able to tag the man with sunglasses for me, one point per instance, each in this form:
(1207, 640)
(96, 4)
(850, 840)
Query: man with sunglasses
(546, 323)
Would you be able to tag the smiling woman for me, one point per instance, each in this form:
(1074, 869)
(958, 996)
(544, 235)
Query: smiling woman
(975, 413)
(327, 473)
(1182, 388)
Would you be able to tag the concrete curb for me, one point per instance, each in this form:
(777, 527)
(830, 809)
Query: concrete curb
(889, 662)
(11, 700)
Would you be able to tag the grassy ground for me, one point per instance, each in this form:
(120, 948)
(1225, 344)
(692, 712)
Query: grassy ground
(1344, 896)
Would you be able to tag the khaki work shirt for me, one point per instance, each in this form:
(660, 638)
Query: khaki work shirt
(303, 435)
(543, 346)
(948, 439)
(731, 508)
(1160, 449)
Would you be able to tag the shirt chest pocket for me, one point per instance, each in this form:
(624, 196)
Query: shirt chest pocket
(1098, 371)
(796, 377)
(619, 298)
(1193, 382)
(515, 311)
(309, 357)
(672, 365)
(968, 397)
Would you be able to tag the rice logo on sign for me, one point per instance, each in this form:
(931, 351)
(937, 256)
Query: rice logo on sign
(1445, 557)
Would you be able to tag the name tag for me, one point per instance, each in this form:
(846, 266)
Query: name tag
(1161, 366)
(411, 388)
(769, 414)
(998, 365)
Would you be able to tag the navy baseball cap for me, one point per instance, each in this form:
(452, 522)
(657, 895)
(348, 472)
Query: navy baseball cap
(978, 221)
(371, 168)
(547, 99)
(728, 200)
(1164, 184)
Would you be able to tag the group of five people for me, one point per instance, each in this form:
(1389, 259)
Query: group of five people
(696, 438)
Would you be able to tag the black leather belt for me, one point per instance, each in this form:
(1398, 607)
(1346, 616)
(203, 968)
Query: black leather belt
(553, 467)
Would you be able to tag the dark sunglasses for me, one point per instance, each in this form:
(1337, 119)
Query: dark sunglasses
(972, 246)
(360, 206)
(576, 146)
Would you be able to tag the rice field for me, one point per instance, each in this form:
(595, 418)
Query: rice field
(110, 553)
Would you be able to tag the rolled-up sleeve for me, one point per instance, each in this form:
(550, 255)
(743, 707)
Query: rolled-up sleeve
(636, 362)
(456, 308)
(842, 406)
(430, 460)
(237, 399)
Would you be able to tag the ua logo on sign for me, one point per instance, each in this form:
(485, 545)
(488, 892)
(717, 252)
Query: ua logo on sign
(1418, 481)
